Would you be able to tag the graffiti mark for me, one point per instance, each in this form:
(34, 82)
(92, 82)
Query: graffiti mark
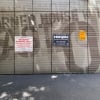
(9, 26)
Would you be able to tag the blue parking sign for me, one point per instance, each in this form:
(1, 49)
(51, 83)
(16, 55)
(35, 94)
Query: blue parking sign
(61, 40)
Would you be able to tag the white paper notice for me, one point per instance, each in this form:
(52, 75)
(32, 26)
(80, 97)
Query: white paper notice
(23, 43)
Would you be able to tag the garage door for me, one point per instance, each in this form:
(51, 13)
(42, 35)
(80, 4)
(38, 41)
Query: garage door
(49, 36)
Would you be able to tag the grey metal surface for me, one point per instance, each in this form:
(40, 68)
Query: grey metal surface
(51, 17)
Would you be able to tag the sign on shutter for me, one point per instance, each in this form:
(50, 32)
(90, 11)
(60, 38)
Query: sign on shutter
(61, 40)
(23, 44)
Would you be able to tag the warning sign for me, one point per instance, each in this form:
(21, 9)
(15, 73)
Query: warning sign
(23, 43)
(82, 35)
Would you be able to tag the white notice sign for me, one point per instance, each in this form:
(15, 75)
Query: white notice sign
(23, 43)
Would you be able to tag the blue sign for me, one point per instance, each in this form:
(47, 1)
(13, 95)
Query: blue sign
(61, 40)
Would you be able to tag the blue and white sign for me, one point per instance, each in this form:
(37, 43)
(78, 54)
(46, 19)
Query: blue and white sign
(61, 40)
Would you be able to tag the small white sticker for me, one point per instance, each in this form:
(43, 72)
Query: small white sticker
(23, 43)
